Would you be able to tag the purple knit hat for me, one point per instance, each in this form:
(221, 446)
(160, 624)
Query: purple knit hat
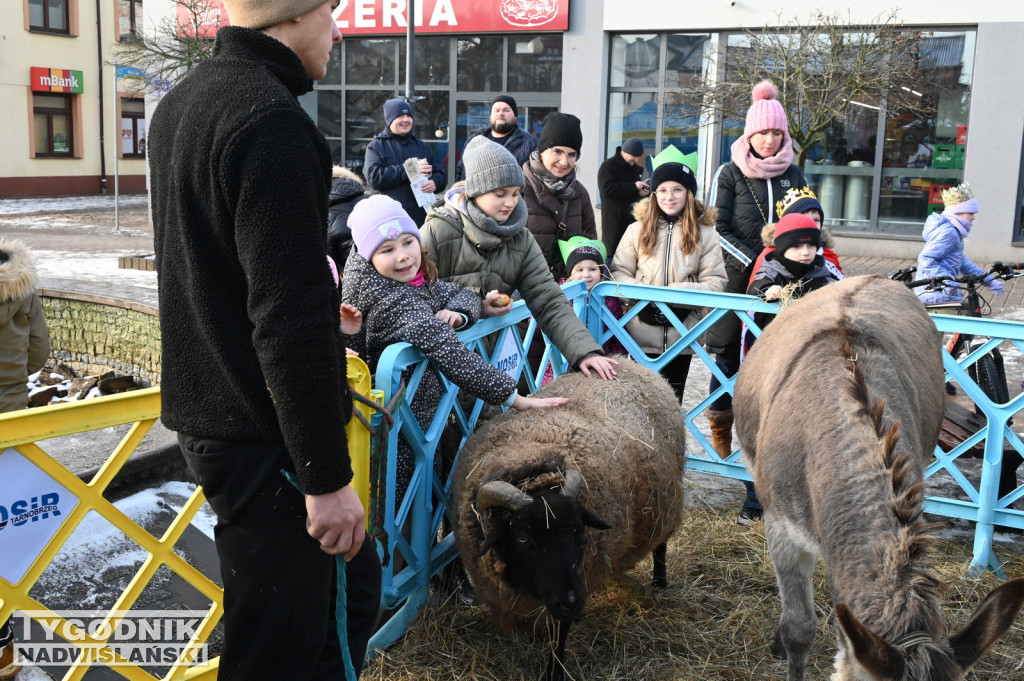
(765, 112)
(376, 219)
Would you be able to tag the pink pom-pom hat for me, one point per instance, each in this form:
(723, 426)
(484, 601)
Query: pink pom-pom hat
(765, 112)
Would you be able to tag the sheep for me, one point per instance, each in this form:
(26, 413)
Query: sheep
(528, 484)
(838, 409)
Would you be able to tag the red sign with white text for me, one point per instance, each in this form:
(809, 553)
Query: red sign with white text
(377, 17)
(203, 17)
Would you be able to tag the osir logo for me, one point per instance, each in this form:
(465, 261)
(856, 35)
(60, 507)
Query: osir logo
(32, 509)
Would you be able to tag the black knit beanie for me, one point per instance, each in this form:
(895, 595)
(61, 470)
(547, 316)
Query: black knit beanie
(582, 253)
(560, 130)
(507, 99)
(674, 172)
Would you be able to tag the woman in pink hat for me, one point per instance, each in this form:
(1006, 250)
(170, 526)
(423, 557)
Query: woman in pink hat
(745, 192)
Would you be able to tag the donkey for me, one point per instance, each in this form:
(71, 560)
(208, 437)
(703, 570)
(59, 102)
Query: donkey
(838, 408)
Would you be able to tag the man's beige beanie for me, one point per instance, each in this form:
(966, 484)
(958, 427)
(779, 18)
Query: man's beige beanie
(262, 13)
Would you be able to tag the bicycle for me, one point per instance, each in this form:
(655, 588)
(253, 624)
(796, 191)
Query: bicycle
(988, 371)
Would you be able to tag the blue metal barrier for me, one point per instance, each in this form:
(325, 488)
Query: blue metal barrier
(428, 545)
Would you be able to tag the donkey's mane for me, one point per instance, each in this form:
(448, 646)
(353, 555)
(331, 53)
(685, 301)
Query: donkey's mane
(902, 560)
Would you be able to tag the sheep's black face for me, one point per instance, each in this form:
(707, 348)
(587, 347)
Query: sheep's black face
(542, 546)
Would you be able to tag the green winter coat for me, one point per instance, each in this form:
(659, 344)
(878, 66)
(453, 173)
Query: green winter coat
(24, 342)
(483, 262)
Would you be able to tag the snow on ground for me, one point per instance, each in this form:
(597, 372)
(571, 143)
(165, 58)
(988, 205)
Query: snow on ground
(96, 547)
(70, 203)
(91, 267)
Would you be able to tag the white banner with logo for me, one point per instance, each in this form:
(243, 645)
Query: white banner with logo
(32, 508)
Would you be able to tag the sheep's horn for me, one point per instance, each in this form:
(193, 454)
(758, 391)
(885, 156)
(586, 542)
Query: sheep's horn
(501, 494)
(571, 486)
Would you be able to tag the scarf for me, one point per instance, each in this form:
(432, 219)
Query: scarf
(962, 225)
(503, 230)
(762, 168)
(564, 188)
(419, 280)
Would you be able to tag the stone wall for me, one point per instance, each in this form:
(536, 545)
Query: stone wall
(96, 334)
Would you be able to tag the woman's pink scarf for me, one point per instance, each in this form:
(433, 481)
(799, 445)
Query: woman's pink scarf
(762, 168)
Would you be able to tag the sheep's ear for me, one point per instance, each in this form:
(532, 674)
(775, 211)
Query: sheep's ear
(591, 520)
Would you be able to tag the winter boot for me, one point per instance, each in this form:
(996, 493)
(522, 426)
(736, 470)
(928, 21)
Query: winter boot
(721, 430)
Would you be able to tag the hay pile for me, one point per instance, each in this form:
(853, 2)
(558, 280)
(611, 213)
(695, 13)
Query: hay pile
(715, 622)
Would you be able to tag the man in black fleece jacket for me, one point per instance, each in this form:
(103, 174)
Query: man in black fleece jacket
(254, 377)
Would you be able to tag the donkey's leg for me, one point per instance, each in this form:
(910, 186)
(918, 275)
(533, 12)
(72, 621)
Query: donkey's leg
(794, 567)
(659, 573)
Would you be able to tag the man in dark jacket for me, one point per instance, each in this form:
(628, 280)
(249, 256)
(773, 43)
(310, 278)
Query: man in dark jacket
(248, 312)
(504, 130)
(618, 180)
(384, 167)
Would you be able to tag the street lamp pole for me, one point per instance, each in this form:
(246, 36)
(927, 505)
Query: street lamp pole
(410, 53)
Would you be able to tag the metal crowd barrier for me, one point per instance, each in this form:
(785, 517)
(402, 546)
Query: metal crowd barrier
(27, 472)
(428, 544)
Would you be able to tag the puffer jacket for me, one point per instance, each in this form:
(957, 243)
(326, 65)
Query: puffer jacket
(667, 265)
(385, 173)
(739, 220)
(24, 342)
(396, 312)
(346, 191)
(547, 223)
(943, 255)
(484, 262)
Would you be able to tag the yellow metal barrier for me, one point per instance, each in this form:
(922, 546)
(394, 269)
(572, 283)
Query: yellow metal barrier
(21, 430)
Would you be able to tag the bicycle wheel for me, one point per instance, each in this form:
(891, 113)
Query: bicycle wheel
(988, 373)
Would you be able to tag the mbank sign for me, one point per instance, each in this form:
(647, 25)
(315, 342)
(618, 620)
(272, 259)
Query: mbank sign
(45, 79)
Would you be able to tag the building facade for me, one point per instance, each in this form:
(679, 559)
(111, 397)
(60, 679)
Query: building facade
(878, 171)
(70, 125)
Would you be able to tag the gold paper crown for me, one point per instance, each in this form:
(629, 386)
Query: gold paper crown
(792, 196)
(954, 196)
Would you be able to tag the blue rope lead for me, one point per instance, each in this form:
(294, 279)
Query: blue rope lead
(340, 601)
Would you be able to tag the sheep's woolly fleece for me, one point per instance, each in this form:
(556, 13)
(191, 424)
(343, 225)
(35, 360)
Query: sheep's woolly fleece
(626, 438)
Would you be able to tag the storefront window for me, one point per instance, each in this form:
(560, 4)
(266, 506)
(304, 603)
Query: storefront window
(48, 15)
(632, 114)
(646, 73)
(51, 116)
(480, 64)
(364, 118)
(535, 63)
(881, 168)
(371, 61)
(133, 128)
(431, 61)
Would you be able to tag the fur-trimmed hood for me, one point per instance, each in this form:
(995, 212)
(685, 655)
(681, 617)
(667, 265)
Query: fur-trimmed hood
(768, 236)
(705, 214)
(18, 274)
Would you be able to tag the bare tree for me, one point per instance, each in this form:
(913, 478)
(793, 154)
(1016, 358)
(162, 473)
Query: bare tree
(176, 46)
(821, 66)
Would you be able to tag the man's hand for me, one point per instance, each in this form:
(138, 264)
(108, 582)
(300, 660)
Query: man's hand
(603, 366)
(425, 166)
(490, 306)
(642, 188)
(429, 187)
(336, 521)
(452, 319)
(351, 319)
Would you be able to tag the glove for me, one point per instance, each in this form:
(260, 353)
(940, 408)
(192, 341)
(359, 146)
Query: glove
(995, 285)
